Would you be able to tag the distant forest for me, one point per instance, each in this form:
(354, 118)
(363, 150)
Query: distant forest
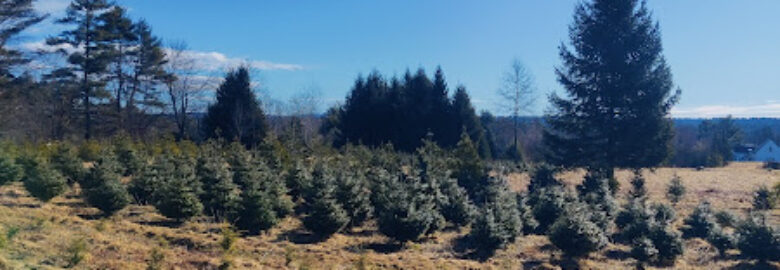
(107, 75)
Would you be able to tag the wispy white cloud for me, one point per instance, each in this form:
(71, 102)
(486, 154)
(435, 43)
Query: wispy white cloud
(41, 46)
(53, 7)
(770, 109)
(212, 61)
(204, 61)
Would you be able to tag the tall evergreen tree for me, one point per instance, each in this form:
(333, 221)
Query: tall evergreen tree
(15, 15)
(618, 88)
(115, 37)
(148, 73)
(89, 62)
(466, 120)
(237, 114)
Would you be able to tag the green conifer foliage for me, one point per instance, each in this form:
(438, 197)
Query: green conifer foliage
(575, 234)
(256, 212)
(547, 204)
(676, 190)
(638, 190)
(176, 198)
(9, 170)
(44, 183)
(354, 194)
(65, 159)
(324, 214)
(526, 214)
(220, 195)
(469, 168)
(757, 239)
(543, 176)
(130, 160)
(762, 199)
(701, 222)
(452, 200)
(150, 178)
(498, 222)
(103, 188)
(404, 211)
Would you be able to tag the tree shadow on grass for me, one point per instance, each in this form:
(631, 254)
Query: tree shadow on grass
(167, 223)
(757, 265)
(464, 248)
(616, 254)
(298, 236)
(21, 205)
(91, 216)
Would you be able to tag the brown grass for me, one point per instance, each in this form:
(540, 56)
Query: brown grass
(126, 240)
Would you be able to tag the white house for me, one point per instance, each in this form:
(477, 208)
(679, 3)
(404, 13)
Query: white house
(767, 151)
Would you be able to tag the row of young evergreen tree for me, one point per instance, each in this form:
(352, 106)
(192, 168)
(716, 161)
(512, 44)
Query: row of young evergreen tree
(409, 195)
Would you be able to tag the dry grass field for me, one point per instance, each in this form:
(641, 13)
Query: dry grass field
(51, 235)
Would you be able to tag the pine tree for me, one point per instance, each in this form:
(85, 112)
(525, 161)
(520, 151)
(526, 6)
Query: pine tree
(548, 204)
(596, 194)
(147, 73)
(177, 198)
(638, 190)
(526, 214)
(44, 183)
(618, 88)
(757, 239)
(144, 185)
(498, 222)
(575, 233)
(701, 222)
(115, 38)
(676, 190)
(129, 158)
(298, 179)
(220, 195)
(103, 188)
(762, 199)
(452, 200)
(65, 159)
(543, 176)
(90, 61)
(256, 212)
(17, 16)
(9, 170)
(469, 168)
(354, 195)
(172, 187)
(466, 120)
(237, 114)
(324, 214)
(404, 211)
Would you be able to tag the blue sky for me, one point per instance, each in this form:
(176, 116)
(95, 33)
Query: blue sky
(725, 55)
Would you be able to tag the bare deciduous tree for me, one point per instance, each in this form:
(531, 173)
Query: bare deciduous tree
(517, 93)
(185, 87)
(302, 107)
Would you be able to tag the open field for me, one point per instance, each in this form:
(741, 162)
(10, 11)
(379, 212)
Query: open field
(48, 234)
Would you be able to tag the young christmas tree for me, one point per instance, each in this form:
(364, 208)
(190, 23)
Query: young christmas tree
(498, 222)
(44, 183)
(324, 214)
(220, 195)
(9, 170)
(404, 211)
(65, 159)
(103, 188)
